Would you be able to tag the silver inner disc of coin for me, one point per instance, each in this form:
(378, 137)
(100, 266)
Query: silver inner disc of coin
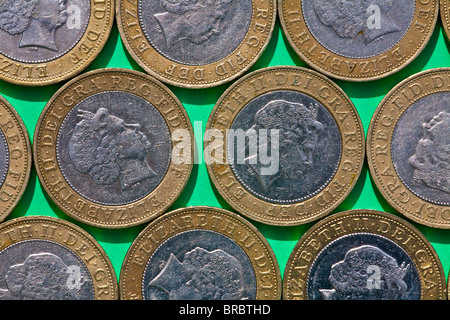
(4, 158)
(37, 31)
(43, 270)
(195, 32)
(420, 148)
(284, 147)
(199, 265)
(363, 266)
(357, 28)
(114, 148)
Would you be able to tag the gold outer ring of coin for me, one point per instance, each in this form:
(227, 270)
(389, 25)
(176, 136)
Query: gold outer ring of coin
(204, 76)
(445, 16)
(422, 253)
(20, 158)
(379, 140)
(351, 69)
(229, 224)
(74, 238)
(73, 62)
(46, 160)
(326, 92)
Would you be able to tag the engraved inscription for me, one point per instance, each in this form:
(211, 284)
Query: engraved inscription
(356, 29)
(420, 147)
(112, 148)
(40, 31)
(366, 272)
(185, 30)
(431, 162)
(108, 149)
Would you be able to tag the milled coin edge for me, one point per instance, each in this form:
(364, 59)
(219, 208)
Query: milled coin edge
(50, 103)
(29, 157)
(370, 159)
(201, 209)
(362, 212)
(361, 161)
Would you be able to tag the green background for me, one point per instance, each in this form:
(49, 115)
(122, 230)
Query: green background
(30, 101)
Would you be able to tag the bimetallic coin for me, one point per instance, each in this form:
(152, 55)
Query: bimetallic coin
(358, 40)
(200, 253)
(445, 16)
(48, 41)
(44, 258)
(113, 148)
(197, 44)
(363, 255)
(284, 145)
(15, 158)
(408, 148)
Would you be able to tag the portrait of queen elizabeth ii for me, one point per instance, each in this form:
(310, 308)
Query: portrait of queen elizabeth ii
(36, 21)
(431, 160)
(108, 149)
(192, 20)
(350, 18)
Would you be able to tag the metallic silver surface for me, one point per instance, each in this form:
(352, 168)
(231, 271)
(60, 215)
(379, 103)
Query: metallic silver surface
(363, 267)
(43, 270)
(195, 32)
(309, 146)
(199, 265)
(36, 31)
(421, 148)
(114, 148)
(346, 28)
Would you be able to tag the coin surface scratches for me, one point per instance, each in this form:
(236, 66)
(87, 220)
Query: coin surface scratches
(200, 253)
(363, 255)
(358, 41)
(47, 42)
(15, 158)
(407, 148)
(108, 148)
(196, 45)
(45, 258)
(293, 145)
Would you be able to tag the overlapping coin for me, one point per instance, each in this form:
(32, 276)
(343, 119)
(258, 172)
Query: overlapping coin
(200, 253)
(15, 158)
(445, 16)
(363, 255)
(196, 44)
(113, 148)
(284, 145)
(358, 40)
(44, 258)
(408, 148)
(48, 41)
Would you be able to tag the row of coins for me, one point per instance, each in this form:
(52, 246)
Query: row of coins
(89, 122)
(214, 254)
(86, 129)
(169, 39)
(114, 148)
